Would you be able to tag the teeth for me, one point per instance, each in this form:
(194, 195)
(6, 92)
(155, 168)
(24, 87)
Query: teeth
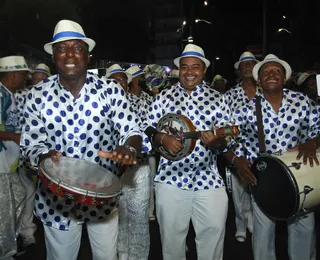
(70, 65)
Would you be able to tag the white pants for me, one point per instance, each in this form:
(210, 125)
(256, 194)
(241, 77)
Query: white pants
(64, 245)
(28, 227)
(242, 206)
(301, 245)
(207, 210)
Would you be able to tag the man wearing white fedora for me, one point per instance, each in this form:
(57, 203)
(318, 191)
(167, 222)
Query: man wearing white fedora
(13, 73)
(289, 122)
(219, 83)
(39, 73)
(190, 189)
(74, 114)
(240, 95)
(115, 71)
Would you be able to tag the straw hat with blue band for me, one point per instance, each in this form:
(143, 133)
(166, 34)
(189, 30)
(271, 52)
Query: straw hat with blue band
(41, 67)
(247, 55)
(116, 68)
(13, 63)
(192, 50)
(68, 30)
(135, 71)
(271, 58)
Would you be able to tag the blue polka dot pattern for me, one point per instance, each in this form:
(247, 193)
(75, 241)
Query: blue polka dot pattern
(206, 108)
(237, 97)
(297, 120)
(77, 128)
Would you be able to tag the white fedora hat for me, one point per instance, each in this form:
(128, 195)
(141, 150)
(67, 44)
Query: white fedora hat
(13, 63)
(247, 55)
(135, 71)
(271, 58)
(192, 50)
(115, 68)
(68, 30)
(41, 67)
(219, 77)
(303, 77)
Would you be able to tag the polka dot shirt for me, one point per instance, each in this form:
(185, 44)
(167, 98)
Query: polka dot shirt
(237, 97)
(206, 108)
(296, 121)
(79, 128)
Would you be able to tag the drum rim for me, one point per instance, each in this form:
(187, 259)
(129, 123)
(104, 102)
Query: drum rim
(76, 189)
(293, 182)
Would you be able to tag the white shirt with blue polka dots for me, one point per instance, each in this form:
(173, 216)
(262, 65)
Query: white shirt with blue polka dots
(99, 118)
(206, 108)
(296, 121)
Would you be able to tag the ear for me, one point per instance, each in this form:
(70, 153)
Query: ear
(52, 59)
(89, 57)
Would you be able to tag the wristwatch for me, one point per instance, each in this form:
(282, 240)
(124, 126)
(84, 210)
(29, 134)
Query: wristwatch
(132, 149)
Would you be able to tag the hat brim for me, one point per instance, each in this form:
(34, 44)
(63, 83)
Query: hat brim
(300, 81)
(176, 61)
(48, 46)
(257, 67)
(12, 70)
(139, 74)
(129, 76)
(237, 64)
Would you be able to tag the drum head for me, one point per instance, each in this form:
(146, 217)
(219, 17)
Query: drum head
(81, 176)
(276, 192)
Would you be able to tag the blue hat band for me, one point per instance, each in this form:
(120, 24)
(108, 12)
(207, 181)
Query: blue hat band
(137, 72)
(247, 58)
(192, 53)
(41, 70)
(117, 70)
(68, 34)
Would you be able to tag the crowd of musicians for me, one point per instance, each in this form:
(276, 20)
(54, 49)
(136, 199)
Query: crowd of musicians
(112, 121)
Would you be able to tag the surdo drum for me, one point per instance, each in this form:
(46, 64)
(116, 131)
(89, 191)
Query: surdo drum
(79, 180)
(286, 188)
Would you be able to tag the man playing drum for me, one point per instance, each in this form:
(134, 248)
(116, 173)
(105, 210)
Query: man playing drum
(190, 188)
(77, 114)
(290, 122)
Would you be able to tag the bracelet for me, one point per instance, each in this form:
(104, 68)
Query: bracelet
(162, 138)
(234, 157)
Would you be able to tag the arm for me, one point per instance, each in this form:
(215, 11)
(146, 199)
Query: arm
(8, 136)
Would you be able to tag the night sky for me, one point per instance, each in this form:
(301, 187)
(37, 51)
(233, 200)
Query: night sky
(120, 28)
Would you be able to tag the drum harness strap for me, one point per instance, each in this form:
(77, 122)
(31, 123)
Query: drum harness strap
(262, 144)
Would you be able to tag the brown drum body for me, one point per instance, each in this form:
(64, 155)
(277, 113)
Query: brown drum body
(79, 180)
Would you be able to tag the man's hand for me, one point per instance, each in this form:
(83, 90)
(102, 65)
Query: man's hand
(121, 154)
(171, 144)
(308, 152)
(243, 167)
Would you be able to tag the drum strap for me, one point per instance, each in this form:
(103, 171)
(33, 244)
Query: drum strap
(262, 143)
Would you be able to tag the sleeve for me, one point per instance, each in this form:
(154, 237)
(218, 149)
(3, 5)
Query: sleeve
(117, 107)
(33, 133)
(313, 121)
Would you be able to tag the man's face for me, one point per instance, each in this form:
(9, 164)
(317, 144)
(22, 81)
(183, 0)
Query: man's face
(192, 72)
(122, 79)
(271, 76)
(71, 58)
(37, 77)
(246, 68)
(19, 79)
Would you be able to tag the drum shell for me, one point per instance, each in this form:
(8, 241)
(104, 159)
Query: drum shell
(84, 194)
(283, 197)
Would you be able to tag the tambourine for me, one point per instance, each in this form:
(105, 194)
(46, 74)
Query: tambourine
(183, 129)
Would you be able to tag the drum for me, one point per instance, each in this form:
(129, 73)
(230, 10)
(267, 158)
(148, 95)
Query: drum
(286, 188)
(79, 180)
